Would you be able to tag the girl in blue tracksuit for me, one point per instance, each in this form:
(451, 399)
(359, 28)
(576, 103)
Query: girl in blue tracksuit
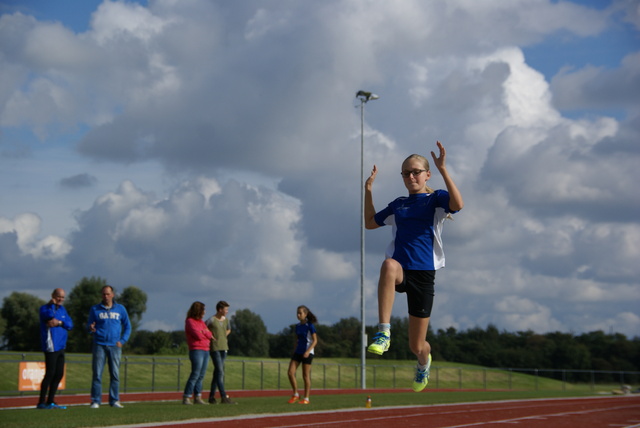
(416, 252)
(307, 339)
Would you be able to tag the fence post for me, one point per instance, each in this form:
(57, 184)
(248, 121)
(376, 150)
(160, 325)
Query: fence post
(179, 364)
(374, 375)
(324, 376)
(126, 365)
(394, 376)
(484, 378)
(153, 374)
(24, 357)
(243, 374)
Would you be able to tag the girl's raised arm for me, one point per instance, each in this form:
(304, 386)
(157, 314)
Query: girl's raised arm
(455, 197)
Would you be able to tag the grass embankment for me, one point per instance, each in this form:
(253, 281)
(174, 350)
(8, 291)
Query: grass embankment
(164, 373)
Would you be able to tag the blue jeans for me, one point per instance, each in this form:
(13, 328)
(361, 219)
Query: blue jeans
(199, 360)
(218, 373)
(112, 355)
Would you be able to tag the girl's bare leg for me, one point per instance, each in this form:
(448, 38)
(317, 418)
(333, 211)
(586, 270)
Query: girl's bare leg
(306, 375)
(293, 366)
(390, 275)
(417, 338)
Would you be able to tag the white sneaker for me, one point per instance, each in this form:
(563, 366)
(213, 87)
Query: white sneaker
(94, 405)
(117, 405)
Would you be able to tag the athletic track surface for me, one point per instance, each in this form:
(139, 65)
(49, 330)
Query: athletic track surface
(597, 412)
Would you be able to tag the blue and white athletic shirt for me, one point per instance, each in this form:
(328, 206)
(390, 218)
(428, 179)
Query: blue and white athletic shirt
(417, 222)
(305, 338)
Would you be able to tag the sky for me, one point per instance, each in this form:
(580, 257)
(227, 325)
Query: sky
(210, 150)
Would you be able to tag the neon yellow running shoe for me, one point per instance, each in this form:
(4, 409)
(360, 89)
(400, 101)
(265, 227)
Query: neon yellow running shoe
(381, 342)
(422, 377)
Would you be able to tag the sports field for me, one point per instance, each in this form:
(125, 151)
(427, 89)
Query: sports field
(338, 408)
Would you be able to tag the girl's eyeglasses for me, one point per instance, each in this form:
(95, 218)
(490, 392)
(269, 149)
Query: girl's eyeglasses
(415, 173)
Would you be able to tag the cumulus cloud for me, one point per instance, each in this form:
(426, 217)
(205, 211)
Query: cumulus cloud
(523, 314)
(598, 87)
(25, 228)
(249, 110)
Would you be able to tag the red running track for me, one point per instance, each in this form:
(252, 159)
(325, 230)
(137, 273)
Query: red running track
(557, 413)
(610, 411)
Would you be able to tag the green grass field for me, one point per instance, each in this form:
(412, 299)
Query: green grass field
(145, 373)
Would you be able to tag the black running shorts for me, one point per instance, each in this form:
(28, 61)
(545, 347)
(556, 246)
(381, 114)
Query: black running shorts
(419, 286)
(301, 359)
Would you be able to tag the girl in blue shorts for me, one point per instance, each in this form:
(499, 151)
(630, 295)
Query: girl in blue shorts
(415, 254)
(306, 341)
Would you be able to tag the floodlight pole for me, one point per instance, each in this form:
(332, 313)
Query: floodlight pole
(363, 97)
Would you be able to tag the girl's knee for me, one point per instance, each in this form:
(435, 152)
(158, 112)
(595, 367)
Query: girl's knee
(419, 348)
(390, 265)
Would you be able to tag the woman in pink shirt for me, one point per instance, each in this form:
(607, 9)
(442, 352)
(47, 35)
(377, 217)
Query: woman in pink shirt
(199, 339)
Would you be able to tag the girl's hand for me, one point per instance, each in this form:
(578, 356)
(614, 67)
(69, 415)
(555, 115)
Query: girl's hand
(439, 161)
(369, 183)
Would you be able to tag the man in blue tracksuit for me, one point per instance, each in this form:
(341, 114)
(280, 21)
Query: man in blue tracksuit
(55, 322)
(109, 323)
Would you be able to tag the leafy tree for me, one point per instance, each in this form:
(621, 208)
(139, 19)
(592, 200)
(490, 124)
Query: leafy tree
(159, 343)
(281, 345)
(150, 343)
(135, 300)
(349, 332)
(85, 294)
(248, 336)
(21, 312)
(448, 345)
(3, 327)
(400, 338)
(178, 339)
(569, 354)
(340, 340)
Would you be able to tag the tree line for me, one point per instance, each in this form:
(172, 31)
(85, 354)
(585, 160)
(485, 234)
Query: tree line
(489, 347)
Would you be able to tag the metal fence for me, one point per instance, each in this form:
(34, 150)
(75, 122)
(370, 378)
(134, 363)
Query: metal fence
(147, 373)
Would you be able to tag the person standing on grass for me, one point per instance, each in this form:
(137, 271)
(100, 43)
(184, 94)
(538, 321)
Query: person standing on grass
(416, 252)
(198, 339)
(55, 322)
(218, 324)
(307, 339)
(110, 326)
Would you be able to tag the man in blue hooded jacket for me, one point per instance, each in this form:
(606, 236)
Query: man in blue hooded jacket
(109, 323)
(55, 322)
